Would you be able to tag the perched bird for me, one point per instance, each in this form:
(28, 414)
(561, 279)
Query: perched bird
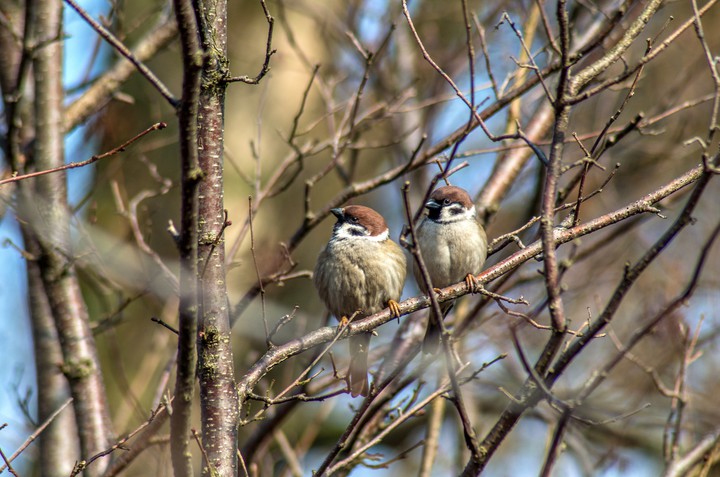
(359, 272)
(453, 246)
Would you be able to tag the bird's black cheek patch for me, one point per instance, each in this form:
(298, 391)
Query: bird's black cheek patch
(434, 214)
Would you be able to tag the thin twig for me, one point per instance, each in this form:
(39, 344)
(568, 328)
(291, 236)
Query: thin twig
(105, 87)
(486, 55)
(196, 436)
(627, 72)
(684, 465)
(37, 432)
(82, 465)
(561, 235)
(555, 445)
(269, 51)
(594, 153)
(529, 55)
(268, 342)
(7, 464)
(124, 51)
(407, 414)
(164, 324)
(93, 159)
(279, 398)
(468, 431)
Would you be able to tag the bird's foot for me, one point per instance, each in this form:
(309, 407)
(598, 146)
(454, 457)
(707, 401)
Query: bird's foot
(394, 308)
(472, 283)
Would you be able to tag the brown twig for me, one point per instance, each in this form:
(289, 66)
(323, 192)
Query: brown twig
(555, 445)
(7, 464)
(683, 466)
(279, 398)
(362, 415)
(404, 416)
(106, 86)
(533, 66)
(35, 434)
(600, 376)
(445, 76)
(528, 396)
(642, 122)
(457, 399)
(596, 150)
(163, 324)
(73, 165)
(131, 214)
(631, 275)
(602, 85)
(323, 335)
(273, 186)
(269, 52)
(268, 341)
(124, 51)
(82, 465)
(196, 436)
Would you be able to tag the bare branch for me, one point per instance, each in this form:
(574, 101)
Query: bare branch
(269, 51)
(93, 159)
(124, 51)
(32, 437)
(103, 88)
(293, 347)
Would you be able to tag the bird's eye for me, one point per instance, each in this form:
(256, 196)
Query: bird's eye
(446, 201)
(354, 220)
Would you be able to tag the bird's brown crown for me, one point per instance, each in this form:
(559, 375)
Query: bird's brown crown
(452, 194)
(367, 217)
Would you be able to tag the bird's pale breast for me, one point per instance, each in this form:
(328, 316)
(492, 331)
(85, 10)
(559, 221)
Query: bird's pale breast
(362, 274)
(451, 250)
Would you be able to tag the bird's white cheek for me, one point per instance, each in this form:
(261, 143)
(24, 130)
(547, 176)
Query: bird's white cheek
(357, 232)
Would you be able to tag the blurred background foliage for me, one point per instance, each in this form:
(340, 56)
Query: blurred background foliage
(405, 99)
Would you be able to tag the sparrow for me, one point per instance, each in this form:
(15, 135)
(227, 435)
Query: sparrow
(359, 272)
(453, 246)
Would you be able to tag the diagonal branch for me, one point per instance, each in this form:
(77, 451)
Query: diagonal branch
(280, 353)
(102, 89)
(93, 159)
(124, 51)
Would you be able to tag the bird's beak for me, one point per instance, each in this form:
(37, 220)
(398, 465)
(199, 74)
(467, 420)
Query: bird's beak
(338, 212)
(432, 205)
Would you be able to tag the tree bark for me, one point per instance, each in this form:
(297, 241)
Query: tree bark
(50, 219)
(202, 245)
(218, 396)
(188, 307)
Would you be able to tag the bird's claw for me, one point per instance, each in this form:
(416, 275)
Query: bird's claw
(394, 308)
(472, 283)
